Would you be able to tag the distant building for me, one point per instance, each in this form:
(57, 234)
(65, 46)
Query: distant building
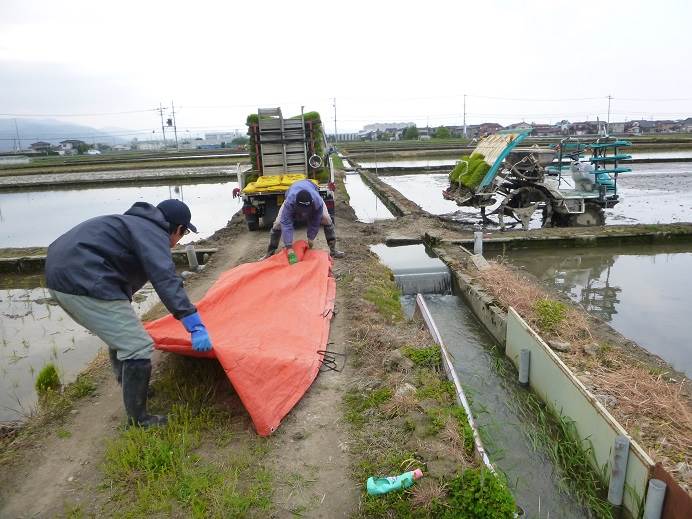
(71, 144)
(489, 128)
(545, 130)
(215, 138)
(518, 126)
(616, 128)
(41, 146)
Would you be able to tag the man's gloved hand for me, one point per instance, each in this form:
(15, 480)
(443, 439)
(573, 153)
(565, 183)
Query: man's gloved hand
(292, 258)
(311, 244)
(198, 332)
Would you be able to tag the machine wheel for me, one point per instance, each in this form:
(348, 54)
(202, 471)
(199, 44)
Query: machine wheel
(253, 224)
(593, 215)
(520, 204)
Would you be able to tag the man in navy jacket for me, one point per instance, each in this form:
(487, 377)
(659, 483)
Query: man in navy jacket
(303, 201)
(92, 271)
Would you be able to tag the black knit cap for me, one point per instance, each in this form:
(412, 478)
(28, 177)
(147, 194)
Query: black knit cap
(303, 197)
(177, 213)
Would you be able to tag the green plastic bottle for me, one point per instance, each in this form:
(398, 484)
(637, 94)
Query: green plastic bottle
(292, 258)
(378, 486)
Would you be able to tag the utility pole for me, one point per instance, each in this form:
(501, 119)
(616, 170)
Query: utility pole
(175, 127)
(16, 131)
(464, 116)
(335, 132)
(608, 121)
(163, 128)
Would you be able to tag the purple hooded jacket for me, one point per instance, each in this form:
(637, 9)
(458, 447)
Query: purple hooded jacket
(292, 209)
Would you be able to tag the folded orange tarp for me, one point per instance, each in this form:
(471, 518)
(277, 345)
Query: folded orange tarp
(267, 321)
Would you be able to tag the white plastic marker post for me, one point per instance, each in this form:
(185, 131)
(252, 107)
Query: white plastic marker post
(616, 488)
(192, 257)
(524, 367)
(478, 242)
(654, 499)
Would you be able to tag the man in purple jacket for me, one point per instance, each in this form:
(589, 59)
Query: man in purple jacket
(303, 201)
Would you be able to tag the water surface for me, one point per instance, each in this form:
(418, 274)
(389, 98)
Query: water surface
(642, 291)
(36, 218)
(367, 206)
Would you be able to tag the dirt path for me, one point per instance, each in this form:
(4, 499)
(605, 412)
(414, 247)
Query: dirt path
(64, 469)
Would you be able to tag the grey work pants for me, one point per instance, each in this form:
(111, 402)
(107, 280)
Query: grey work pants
(114, 322)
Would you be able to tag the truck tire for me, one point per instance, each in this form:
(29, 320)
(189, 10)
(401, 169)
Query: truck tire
(252, 224)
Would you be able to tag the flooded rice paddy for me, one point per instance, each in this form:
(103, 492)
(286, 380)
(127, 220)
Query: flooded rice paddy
(641, 291)
(367, 206)
(35, 331)
(422, 163)
(36, 218)
(505, 424)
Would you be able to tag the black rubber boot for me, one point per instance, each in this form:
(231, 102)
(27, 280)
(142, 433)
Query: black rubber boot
(274, 239)
(136, 375)
(333, 252)
(116, 364)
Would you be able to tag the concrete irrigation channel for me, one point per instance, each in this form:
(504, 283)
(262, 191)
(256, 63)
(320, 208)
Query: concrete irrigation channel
(481, 339)
(670, 244)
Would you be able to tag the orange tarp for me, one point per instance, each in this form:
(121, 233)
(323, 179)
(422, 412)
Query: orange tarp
(267, 321)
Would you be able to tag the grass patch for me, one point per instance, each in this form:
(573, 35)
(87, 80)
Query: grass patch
(430, 385)
(384, 294)
(337, 161)
(47, 379)
(184, 468)
(424, 357)
(479, 494)
(357, 403)
(550, 314)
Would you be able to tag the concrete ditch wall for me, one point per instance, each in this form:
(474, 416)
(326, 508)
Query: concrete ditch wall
(556, 385)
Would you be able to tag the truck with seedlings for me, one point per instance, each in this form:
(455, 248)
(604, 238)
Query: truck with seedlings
(283, 151)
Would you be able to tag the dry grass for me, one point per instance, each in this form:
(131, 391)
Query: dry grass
(511, 289)
(455, 440)
(400, 405)
(427, 493)
(653, 409)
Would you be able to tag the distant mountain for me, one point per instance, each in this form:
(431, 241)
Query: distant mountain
(50, 130)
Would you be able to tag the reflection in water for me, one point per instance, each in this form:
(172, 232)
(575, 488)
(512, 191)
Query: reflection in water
(641, 291)
(212, 205)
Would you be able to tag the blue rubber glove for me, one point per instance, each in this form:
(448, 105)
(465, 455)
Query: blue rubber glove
(198, 332)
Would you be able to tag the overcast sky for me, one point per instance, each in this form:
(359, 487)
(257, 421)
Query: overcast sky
(383, 61)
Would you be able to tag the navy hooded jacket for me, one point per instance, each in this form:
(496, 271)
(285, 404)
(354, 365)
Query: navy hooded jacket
(111, 257)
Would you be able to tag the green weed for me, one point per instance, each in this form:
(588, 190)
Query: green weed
(384, 294)
(63, 433)
(425, 357)
(549, 314)
(479, 494)
(557, 436)
(47, 379)
(358, 403)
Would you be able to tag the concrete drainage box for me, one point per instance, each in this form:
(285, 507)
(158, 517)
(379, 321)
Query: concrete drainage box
(553, 381)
